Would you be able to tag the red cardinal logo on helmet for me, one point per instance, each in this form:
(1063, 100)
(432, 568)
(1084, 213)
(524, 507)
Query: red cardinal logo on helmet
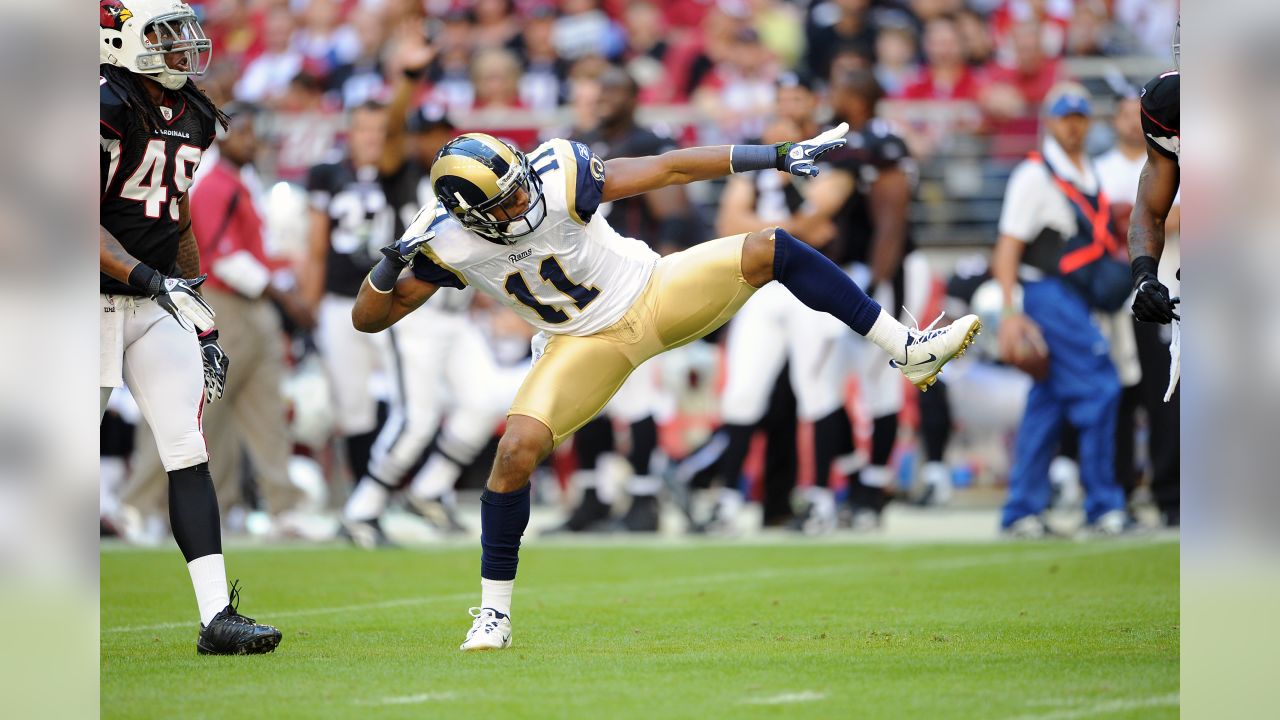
(112, 14)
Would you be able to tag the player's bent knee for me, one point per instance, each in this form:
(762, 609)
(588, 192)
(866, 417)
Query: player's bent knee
(519, 452)
(757, 256)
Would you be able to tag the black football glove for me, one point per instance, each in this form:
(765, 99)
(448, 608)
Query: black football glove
(1152, 303)
(216, 363)
(179, 298)
(800, 158)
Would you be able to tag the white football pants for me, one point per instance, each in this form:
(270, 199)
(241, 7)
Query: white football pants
(352, 360)
(142, 345)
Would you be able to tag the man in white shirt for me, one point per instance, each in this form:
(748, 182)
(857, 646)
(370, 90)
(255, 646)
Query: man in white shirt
(1052, 198)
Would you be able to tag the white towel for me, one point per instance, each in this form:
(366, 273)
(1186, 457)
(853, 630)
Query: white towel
(1175, 360)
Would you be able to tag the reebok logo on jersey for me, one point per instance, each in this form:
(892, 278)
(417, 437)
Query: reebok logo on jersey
(517, 257)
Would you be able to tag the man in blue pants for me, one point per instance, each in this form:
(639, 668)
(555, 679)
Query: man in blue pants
(1051, 198)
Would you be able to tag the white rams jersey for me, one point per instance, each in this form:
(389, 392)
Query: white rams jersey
(573, 275)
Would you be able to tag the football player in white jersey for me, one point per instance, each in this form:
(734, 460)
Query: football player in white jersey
(524, 229)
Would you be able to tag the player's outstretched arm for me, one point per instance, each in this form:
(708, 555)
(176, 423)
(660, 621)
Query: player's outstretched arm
(625, 177)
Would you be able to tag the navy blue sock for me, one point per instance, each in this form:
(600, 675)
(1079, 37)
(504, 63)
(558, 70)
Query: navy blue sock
(503, 518)
(821, 284)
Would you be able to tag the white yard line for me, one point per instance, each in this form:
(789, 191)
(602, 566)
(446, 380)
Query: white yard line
(786, 698)
(1064, 552)
(409, 699)
(1107, 707)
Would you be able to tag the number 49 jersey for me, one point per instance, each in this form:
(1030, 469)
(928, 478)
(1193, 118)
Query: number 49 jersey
(143, 176)
(573, 275)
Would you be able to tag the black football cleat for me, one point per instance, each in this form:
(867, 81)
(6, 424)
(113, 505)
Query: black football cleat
(366, 534)
(641, 516)
(591, 515)
(230, 633)
(438, 514)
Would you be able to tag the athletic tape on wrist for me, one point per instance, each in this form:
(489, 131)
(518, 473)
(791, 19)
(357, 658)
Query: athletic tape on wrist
(384, 275)
(746, 158)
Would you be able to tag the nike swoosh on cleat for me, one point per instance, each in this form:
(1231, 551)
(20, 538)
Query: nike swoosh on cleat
(932, 357)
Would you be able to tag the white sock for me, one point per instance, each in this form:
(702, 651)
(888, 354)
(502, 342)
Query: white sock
(591, 480)
(643, 485)
(112, 472)
(367, 501)
(209, 578)
(876, 476)
(889, 335)
(496, 594)
(436, 479)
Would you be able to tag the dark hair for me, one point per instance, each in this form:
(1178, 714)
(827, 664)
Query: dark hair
(128, 85)
(862, 83)
(370, 106)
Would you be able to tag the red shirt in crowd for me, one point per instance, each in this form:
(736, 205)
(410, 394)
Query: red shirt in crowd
(924, 87)
(225, 231)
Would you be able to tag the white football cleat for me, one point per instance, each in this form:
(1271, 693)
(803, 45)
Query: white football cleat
(928, 350)
(490, 631)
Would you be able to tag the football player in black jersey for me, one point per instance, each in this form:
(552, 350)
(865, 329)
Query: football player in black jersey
(155, 125)
(665, 219)
(355, 211)
(1157, 187)
(867, 195)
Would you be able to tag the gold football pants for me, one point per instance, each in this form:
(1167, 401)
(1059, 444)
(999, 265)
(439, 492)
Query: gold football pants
(690, 293)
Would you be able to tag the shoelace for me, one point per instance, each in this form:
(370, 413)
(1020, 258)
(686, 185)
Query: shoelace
(234, 603)
(928, 331)
(921, 335)
(488, 625)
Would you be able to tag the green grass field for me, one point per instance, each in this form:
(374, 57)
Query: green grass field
(1037, 631)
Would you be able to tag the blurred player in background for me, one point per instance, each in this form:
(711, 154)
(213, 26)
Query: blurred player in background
(355, 209)
(665, 219)
(770, 332)
(1157, 192)
(1053, 200)
(1157, 188)
(866, 195)
(154, 126)
(1119, 171)
(604, 303)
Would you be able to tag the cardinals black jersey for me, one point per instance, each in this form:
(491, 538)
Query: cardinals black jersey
(1160, 114)
(144, 175)
(365, 212)
(870, 151)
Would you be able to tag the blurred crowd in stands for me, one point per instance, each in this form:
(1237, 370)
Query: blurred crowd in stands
(384, 83)
(521, 59)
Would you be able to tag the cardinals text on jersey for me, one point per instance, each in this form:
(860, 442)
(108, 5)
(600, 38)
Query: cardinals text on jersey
(573, 275)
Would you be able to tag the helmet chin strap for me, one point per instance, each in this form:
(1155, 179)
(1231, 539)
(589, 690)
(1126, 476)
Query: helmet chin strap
(169, 80)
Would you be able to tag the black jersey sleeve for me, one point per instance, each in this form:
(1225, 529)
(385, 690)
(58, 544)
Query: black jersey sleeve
(1160, 114)
(885, 150)
(320, 186)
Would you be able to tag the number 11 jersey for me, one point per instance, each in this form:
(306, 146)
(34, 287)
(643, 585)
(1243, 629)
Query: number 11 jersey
(573, 275)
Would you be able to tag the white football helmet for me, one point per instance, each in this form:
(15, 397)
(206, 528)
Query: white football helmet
(124, 42)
